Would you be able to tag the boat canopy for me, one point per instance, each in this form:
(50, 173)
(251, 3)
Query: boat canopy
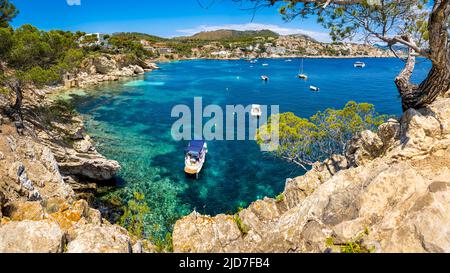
(195, 147)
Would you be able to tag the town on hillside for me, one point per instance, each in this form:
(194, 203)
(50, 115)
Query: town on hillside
(230, 44)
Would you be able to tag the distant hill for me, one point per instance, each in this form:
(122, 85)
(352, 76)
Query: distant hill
(140, 36)
(225, 34)
(305, 37)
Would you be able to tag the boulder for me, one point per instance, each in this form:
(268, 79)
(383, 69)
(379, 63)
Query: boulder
(417, 128)
(364, 147)
(138, 70)
(440, 110)
(84, 145)
(389, 132)
(100, 239)
(197, 233)
(31, 237)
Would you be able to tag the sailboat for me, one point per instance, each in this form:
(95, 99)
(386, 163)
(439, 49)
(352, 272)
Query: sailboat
(302, 75)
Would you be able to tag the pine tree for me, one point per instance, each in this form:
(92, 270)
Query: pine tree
(7, 12)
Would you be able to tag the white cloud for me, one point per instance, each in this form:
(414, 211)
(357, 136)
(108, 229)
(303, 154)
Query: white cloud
(73, 2)
(320, 36)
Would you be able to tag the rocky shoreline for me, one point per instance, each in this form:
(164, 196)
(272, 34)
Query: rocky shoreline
(52, 167)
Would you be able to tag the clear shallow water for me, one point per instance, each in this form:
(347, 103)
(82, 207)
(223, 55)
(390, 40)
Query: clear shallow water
(131, 122)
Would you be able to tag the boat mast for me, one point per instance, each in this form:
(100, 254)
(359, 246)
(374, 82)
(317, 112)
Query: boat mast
(302, 67)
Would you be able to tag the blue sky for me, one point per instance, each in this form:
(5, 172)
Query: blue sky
(163, 18)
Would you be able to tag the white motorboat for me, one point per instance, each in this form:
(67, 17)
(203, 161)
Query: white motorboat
(256, 111)
(265, 78)
(195, 157)
(359, 65)
(314, 88)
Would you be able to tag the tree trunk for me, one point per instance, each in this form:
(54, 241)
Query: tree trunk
(438, 80)
(19, 97)
(16, 112)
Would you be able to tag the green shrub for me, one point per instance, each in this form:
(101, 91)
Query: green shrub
(165, 245)
(280, 198)
(4, 91)
(306, 141)
(354, 246)
(133, 216)
(41, 77)
(241, 226)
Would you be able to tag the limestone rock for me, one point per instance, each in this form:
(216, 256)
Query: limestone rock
(389, 132)
(84, 145)
(197, 233)
(97, 167)
(364, 147)
(31, 237)
(20, 211)
(104, 65)
(418, 130)
(100, 239)
(138, 70)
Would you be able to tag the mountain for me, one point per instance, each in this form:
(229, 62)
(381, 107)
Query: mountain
(225, 34)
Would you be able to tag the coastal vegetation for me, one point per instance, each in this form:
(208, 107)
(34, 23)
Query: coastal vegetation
(307, 141)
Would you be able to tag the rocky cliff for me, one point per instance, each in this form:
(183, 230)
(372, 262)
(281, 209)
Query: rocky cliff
(48, 170)
(389, 193)
(40, 211)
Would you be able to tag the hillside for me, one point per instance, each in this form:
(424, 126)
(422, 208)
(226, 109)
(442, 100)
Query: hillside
(137, 36)
(225, 34)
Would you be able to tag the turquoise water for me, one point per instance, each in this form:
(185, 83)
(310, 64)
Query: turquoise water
(131, 122)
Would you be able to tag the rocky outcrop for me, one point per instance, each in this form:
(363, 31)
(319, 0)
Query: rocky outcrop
(104, 68)
(75, 152)
(30, 170)
(57, 226)
(38, 209)
(389, 194)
